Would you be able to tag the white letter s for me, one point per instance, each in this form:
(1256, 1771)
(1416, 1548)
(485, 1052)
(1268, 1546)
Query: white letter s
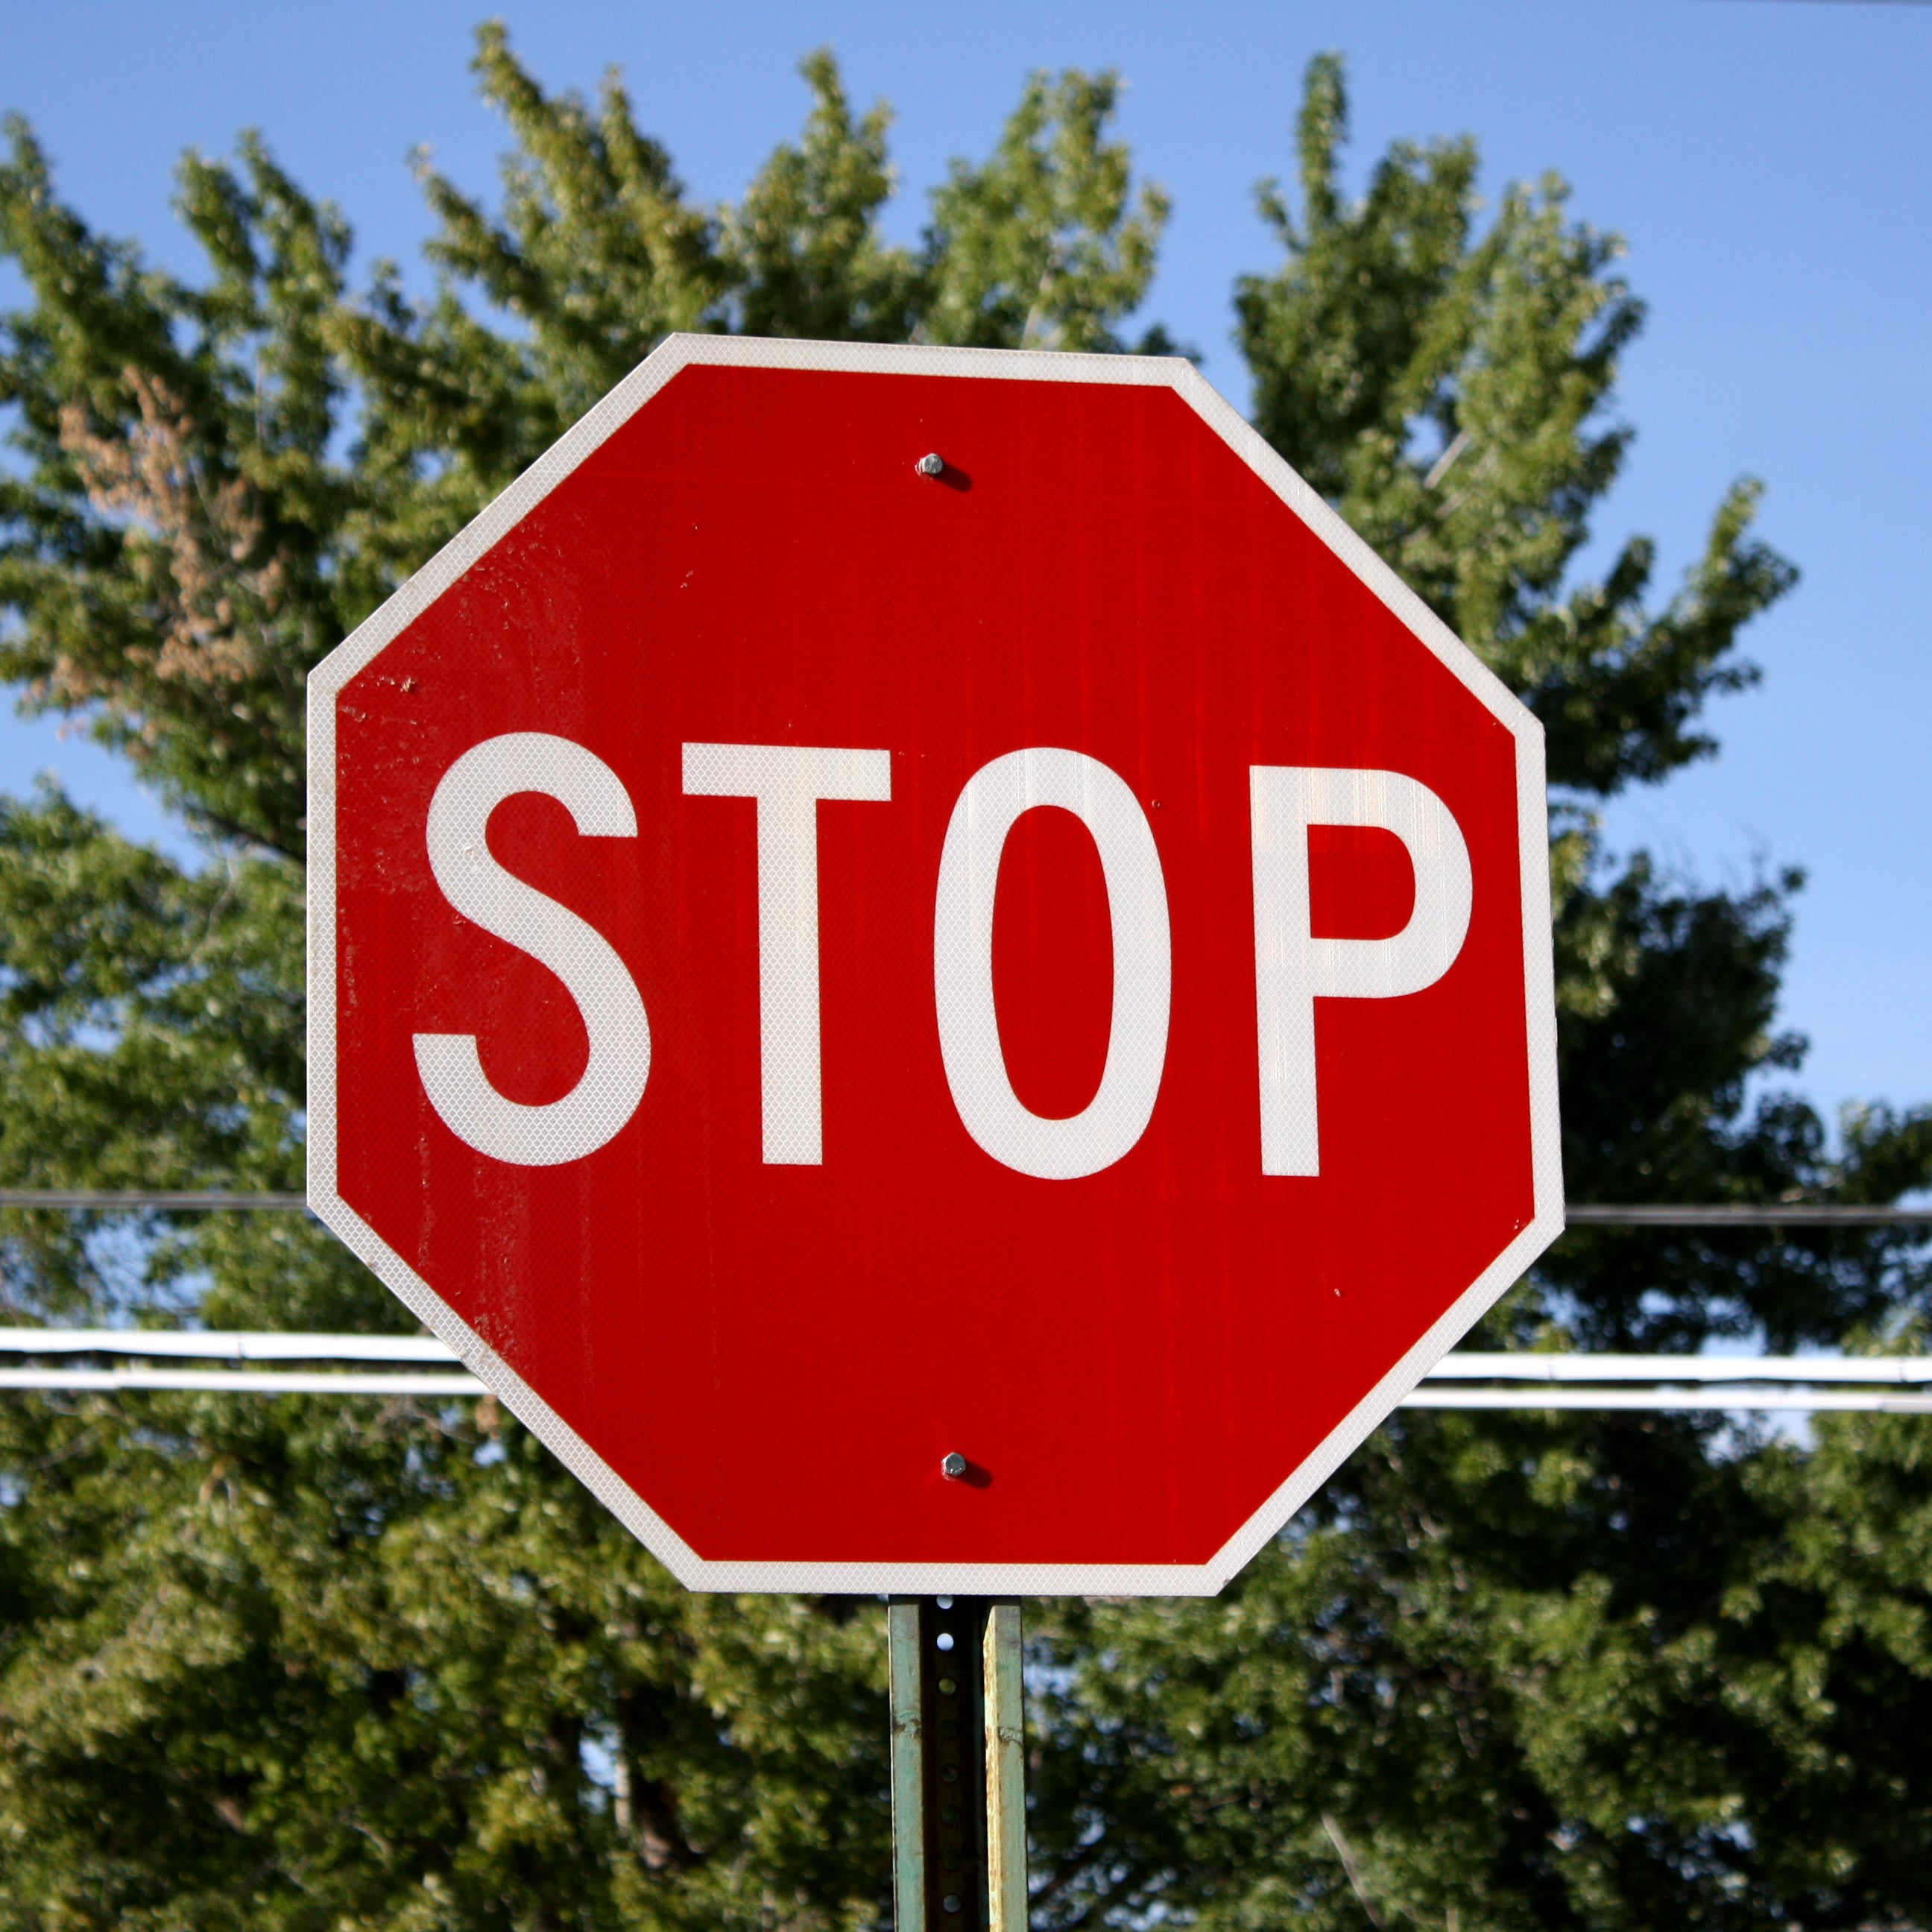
(612, 1082)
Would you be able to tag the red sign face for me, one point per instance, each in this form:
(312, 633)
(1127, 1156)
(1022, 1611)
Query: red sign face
(968, 1024)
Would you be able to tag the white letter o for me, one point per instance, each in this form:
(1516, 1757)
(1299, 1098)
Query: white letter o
(962, 964)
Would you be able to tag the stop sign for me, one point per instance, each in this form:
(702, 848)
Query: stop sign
(930, 968)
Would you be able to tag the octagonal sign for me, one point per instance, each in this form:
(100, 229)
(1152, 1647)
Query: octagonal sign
(930, 969)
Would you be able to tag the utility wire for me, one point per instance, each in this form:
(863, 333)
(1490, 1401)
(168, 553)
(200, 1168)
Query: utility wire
(281, 1345)
(1889, 1384)
(226, 1345)
(1590, 1214)
(1729, 1401)
(243, 1381)
(84, 1200)
(1747, 1214)
(339, 1382)
(1725, 1380)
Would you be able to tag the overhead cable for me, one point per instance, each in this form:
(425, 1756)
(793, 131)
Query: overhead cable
(1581, 1214)
(1543, 1380)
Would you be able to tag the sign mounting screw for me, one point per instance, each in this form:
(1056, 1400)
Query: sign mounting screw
(933, 465)
(954, 1467)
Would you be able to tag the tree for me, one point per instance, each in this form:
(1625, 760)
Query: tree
(296, 1663)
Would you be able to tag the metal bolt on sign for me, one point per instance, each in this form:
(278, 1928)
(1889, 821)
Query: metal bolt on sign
(958, 1774)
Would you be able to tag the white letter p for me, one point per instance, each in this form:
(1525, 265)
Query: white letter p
(1293, 969)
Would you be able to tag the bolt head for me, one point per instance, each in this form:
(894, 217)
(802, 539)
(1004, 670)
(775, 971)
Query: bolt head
(933, 465)
(954, 1467)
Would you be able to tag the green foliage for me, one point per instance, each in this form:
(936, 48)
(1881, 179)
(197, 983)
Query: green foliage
(294, 1666)
(1044, 247)
(805, 251)
(168, 552)
(297, 1663)
(1444, 388)
(1538, 1673)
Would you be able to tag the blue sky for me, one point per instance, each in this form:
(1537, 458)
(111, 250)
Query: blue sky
(1766, 160)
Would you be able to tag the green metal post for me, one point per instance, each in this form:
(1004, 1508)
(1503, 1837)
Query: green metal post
(1006, 1773)
(908, 1722)
(959, 1795)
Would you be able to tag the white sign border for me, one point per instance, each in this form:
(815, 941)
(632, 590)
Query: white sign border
(486, 529)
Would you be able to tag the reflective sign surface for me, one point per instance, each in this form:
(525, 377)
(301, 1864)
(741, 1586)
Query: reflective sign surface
(821, 967)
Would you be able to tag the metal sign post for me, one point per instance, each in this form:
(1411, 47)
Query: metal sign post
(958, 1772)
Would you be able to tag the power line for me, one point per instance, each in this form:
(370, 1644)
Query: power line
(1746, 1214)
(1586, 1214)
(1755, 1400)
(271, 1345)
(76, 1200)
(1727, 1383)
(1540, 1366)
(243, 1381)
(226, 1345)
(347, 1382)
